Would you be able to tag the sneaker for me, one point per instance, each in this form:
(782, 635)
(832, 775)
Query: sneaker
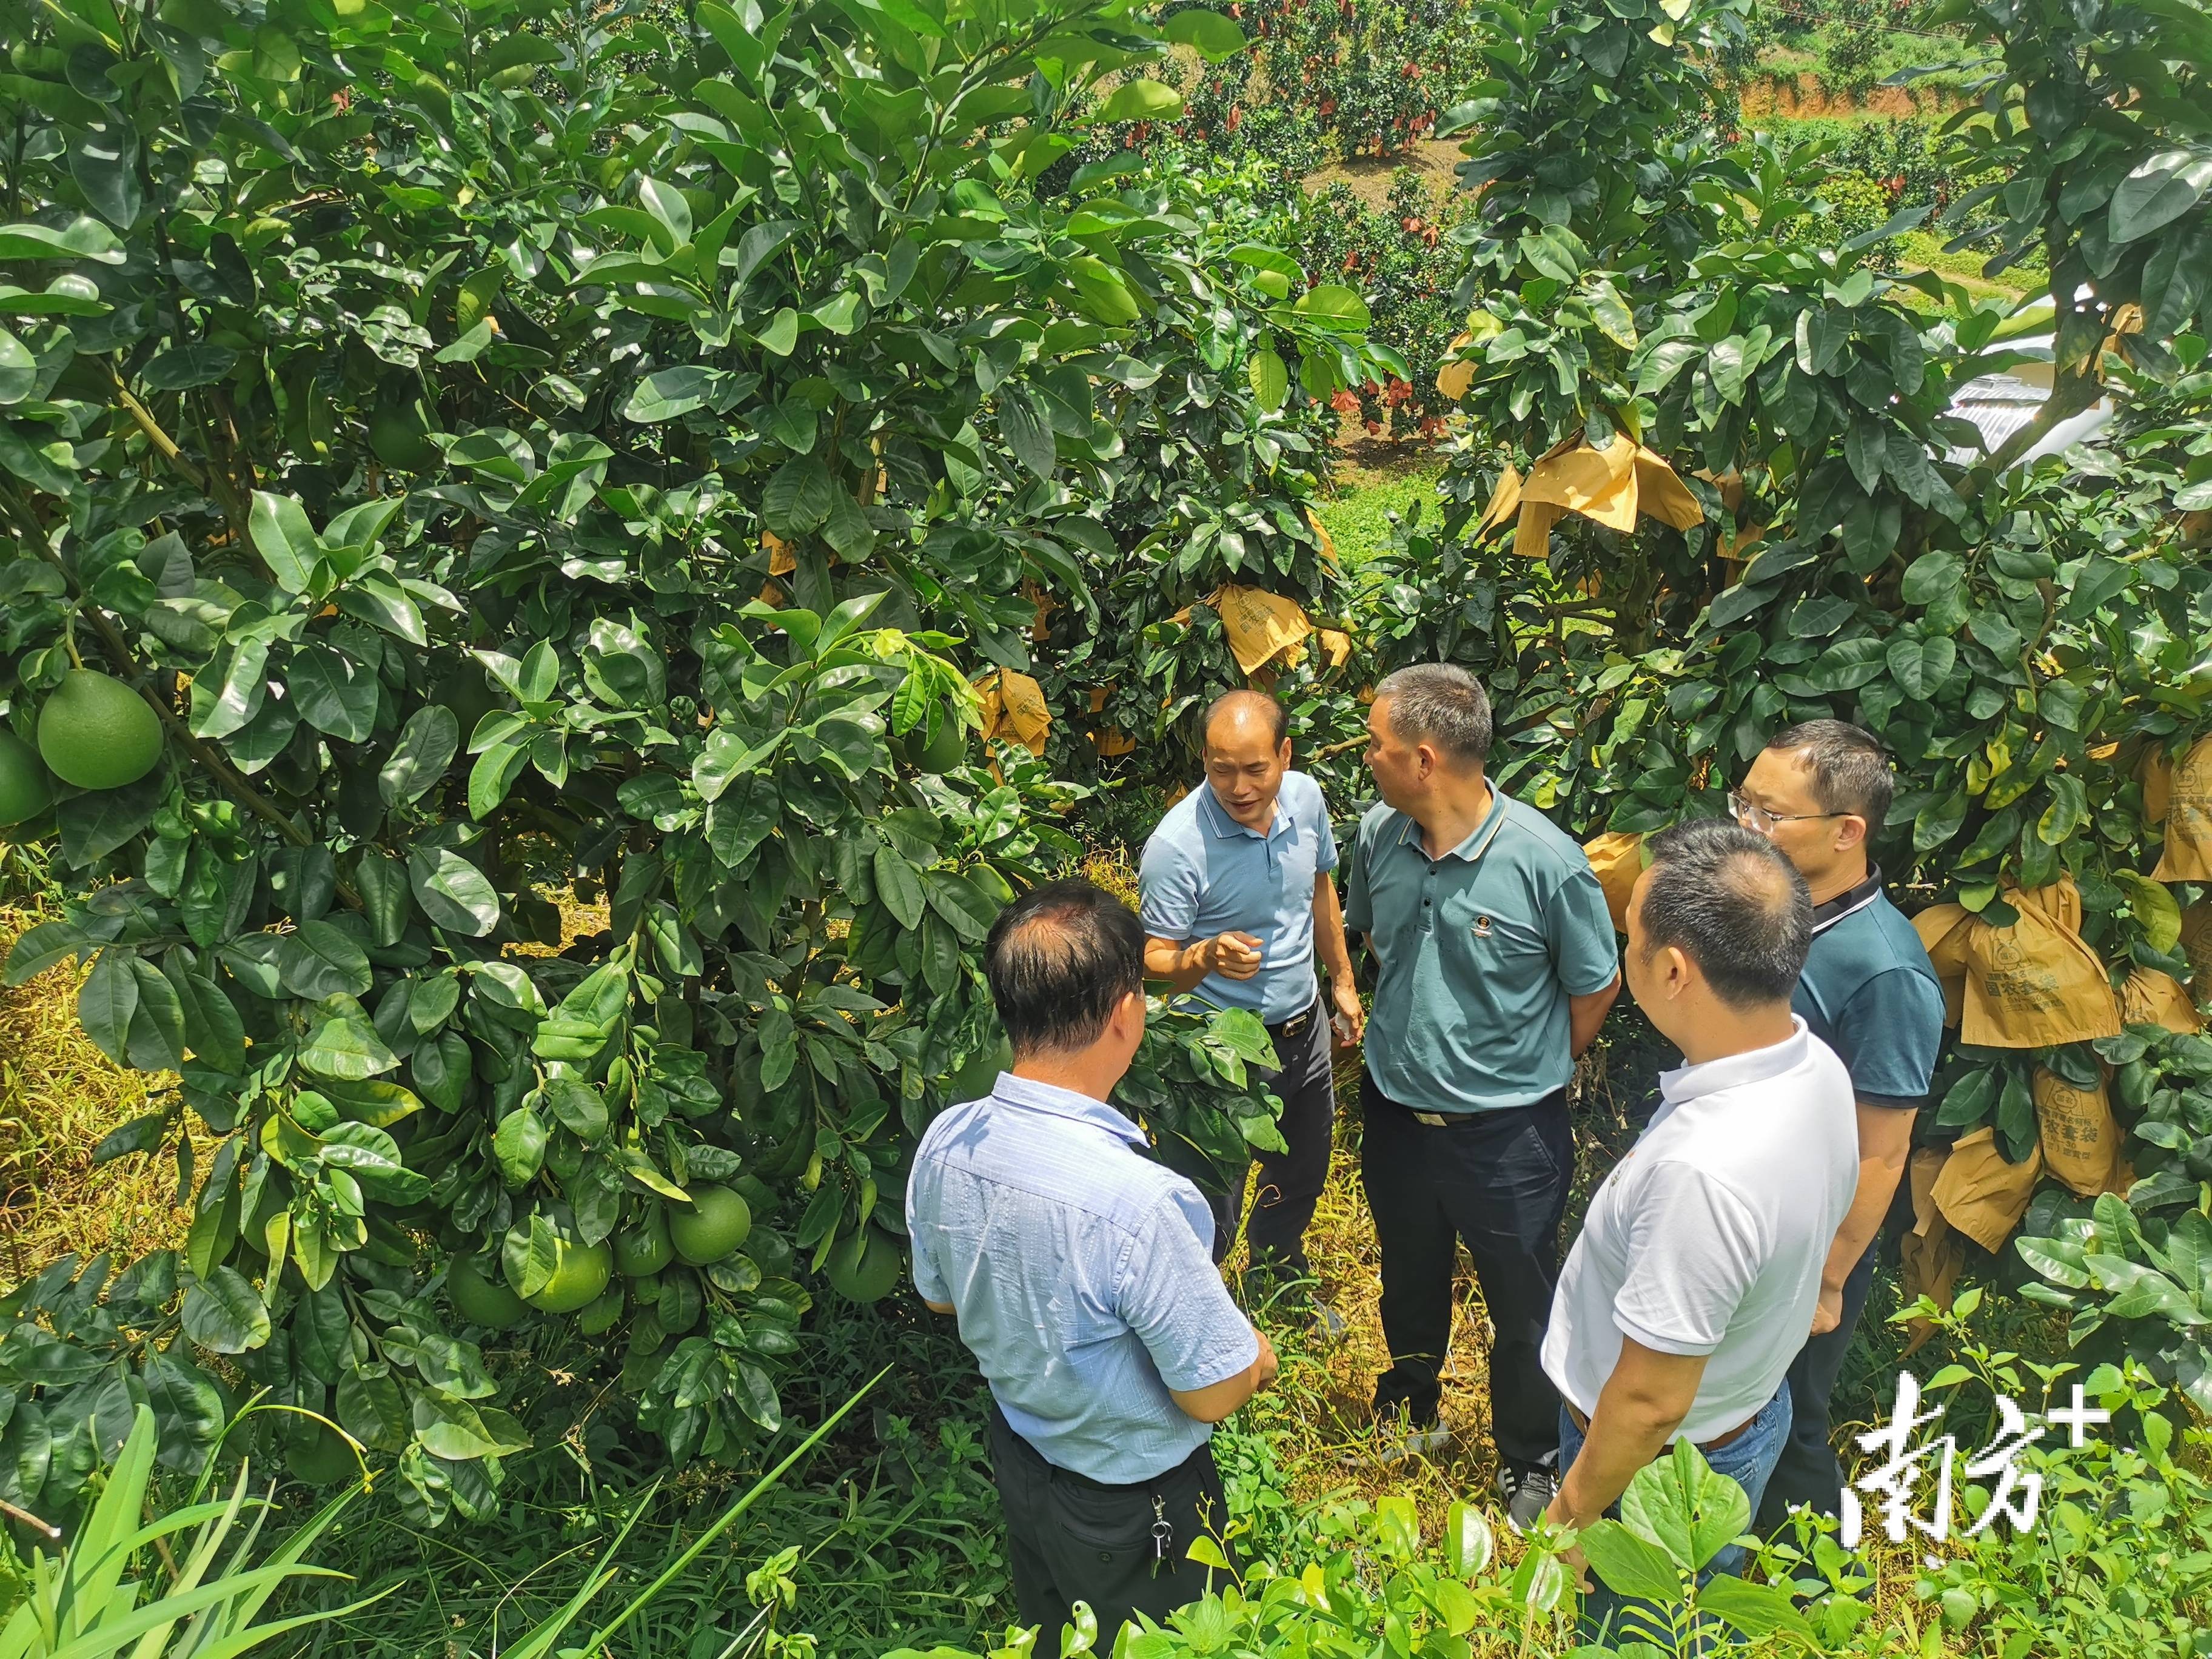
(1527, 1490)
(1328, 1325)
(1399, 1439)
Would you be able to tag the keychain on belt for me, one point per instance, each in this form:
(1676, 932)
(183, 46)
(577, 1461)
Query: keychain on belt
(1162, 1533)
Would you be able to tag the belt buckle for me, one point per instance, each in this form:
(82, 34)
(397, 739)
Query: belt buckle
(1297, 1025)
(1430, 1119)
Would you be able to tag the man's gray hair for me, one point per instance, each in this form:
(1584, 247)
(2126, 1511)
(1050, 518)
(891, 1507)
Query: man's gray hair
(1850, 772)
(1442, 704)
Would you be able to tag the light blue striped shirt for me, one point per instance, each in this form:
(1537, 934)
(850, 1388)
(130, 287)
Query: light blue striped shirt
(1081, 1273)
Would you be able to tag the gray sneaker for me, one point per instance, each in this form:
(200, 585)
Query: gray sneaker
(1527, 1490)
(1398, 1440)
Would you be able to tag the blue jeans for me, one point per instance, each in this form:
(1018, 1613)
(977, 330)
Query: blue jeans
(1748, 1460)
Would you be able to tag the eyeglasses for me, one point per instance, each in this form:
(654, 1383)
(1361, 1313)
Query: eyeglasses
(1759, 819)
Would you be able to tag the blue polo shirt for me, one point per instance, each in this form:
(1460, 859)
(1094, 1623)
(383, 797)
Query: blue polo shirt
(1205, 874)
(1477, 953)
(1869, 993)
(1081, 1273)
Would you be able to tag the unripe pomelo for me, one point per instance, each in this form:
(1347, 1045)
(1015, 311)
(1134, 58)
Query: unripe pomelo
(581, 1273)
(25, 790)
(97, 732)
(715, 1224)
(942, 753)
(319, 1456)
(981, 1074)
(864, 1267)
(642, 1247)
(480, 1300)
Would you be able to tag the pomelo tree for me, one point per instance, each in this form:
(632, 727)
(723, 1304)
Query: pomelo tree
(551, 473)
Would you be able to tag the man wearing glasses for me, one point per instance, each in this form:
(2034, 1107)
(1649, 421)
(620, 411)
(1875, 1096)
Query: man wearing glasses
(1820, 791)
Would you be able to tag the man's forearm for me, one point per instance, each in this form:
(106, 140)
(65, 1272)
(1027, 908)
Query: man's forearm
(1328, 931)
(1181, 965)
(1885, 1144)
(1624, 1437)
(1586, 1014)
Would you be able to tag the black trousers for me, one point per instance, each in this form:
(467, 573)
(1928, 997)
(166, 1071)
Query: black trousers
(1499, 1182)
(1291, 1181)
(1072, 1539)
(1807, 1473)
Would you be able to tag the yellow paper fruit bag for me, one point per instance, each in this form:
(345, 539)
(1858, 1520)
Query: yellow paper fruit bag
(1616, 858)
(2150, 998)
(1942, 929)
(2078, 1134)
(1013, 708)
(1980, 1193)
(2036, 984)
(2187, 855)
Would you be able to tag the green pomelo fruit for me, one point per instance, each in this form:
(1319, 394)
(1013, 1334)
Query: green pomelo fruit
(715, 1224)
(865, 1267)
(642, 1247)
(97, 732)
(581, 1273)
(479, 1300)
(25, 789)
(320, 1457)
(397, 432)
(981, 1074)
(940, 754)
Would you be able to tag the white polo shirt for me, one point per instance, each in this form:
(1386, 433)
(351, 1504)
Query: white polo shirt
(1710, 1236)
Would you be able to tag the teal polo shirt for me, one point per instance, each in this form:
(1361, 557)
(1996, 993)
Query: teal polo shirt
(1869, 993)
(1203, 874)
(1478, 953)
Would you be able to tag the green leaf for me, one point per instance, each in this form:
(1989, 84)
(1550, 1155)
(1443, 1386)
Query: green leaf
(518, 1144)
(2160, 190)
(1212, 36)
(426, 745)
(343, 1043)
(1270, 380)
(668, 392)
(670, 210)
(453, 892)
(1103, 291)
(493, 775)
(1919, 666)
(82, 238)
(1335, 304)
(1757, 1610)
(318, 959)
(371, 1156)
(1932, 578)
(899, 886)
(578, 1106)
(798, 497)
(1140, 100)
(281, 535)
(1027, 431)
(107, 1001)
(333, 693)
(2156, 910)
(185, 367)
(155, 1040)
(1629, 1565)
(43, 946)
(224, 1314)
(969, 909)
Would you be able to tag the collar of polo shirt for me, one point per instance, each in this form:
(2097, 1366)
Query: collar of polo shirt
(1055, 1102)
(1827, 913)
(1478, 839)
(1687, 1082)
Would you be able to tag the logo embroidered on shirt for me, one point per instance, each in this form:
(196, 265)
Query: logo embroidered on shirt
(1482, 926)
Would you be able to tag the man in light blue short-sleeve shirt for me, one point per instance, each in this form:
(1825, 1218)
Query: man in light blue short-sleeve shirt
(1239, 906)
(1079, 1272)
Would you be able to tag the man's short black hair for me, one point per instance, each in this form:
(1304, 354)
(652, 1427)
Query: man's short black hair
(1059, 958)
(1850, 768)
(1442, 703)
(1241, 698)
(1731, 902)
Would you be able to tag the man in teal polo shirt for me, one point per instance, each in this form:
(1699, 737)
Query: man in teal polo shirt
(1495, 966)
(1239, 907)
(1820, 791)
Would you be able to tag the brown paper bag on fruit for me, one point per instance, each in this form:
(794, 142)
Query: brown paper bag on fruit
(1942, 929)
(2187, 855)
(1013, 708)
(1928, 1253)
(1616, 858)
(1112, 739)
(2079, 1137)
(2150, 998)
(1981, 1194)
(2036, 984)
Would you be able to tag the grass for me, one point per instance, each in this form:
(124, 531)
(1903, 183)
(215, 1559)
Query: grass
(1368, 483)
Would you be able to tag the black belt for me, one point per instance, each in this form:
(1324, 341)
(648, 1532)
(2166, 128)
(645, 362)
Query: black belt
(1297, 1025)
(1462, 1119)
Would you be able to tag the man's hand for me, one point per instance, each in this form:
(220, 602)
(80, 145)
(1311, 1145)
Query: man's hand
(1233, 956)
(1570, 1558)
(1345, 996)
(1268, 1363)
(1830, 1313)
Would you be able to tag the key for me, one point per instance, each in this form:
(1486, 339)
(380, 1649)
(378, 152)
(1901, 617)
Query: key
(1162, 1535)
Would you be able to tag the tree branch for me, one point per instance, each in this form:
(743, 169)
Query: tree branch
(164, 445)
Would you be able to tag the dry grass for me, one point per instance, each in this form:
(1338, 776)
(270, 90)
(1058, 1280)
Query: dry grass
(58, 1096)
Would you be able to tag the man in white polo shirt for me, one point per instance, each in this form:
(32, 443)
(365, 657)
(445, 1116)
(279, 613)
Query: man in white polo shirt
(1698, 1272)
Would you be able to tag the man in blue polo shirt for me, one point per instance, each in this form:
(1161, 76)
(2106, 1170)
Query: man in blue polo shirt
(1495, 966)
(1238, 905)
(1820, 791)
(1079, 1270)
